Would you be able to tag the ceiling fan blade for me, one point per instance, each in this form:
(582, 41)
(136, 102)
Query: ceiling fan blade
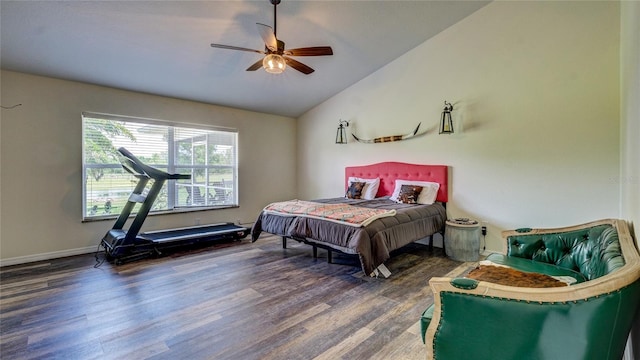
(299, 66)
(268, 36)
(257, 65)
(230, 47)
(310, 51)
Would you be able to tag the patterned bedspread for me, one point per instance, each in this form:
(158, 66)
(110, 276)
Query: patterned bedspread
(342, 213)
(372, 242)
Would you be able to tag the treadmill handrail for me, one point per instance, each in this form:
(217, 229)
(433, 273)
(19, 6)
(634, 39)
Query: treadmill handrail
(139, 169)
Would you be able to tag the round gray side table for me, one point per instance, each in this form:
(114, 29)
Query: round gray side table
(462, 239)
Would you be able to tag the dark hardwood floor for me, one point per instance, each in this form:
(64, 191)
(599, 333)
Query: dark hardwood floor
(237, 300)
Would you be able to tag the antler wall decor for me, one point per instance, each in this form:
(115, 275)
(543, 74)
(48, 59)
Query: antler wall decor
(390, 138)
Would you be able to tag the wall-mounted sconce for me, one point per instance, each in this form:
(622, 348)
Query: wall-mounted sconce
(446, 123)
(341, 135)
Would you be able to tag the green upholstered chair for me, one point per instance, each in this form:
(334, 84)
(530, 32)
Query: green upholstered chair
(590, 319)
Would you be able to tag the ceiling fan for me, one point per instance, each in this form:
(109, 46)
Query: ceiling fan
(276, 57)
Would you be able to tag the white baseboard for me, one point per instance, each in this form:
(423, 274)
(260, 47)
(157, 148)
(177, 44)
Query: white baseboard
(46, 256)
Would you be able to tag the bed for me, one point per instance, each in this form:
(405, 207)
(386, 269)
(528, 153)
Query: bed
(394, 226)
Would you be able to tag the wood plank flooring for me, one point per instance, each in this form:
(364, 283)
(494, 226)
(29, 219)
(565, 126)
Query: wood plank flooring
(237, 300)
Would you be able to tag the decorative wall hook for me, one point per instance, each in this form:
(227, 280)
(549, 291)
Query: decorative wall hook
(10, 107)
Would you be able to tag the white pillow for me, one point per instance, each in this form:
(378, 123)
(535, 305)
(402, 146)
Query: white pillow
(427, 195)
(370, 189)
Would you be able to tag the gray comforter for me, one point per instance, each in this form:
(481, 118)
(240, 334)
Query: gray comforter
(371, 243)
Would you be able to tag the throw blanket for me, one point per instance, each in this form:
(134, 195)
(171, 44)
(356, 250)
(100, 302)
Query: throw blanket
(504, 275)
(340, 213)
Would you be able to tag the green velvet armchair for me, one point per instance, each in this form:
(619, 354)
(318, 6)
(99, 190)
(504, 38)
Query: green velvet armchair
(589, 319)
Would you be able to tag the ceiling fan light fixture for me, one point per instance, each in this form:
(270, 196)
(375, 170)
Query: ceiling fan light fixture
(274, 64)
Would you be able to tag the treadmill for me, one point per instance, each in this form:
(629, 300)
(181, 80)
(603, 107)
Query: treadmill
(123, 245)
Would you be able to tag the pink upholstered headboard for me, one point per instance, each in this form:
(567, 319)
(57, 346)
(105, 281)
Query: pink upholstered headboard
(388, 172)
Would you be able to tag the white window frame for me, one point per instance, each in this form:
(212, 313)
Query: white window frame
(230, 188)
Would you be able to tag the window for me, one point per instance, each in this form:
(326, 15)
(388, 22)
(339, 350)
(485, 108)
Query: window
(208, 154)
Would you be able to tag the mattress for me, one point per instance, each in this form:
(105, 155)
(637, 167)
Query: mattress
(372, 243)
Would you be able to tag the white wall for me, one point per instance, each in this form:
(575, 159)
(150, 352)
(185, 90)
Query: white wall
(535, 87)
(630, 113)
(630, 130)
(41, 153)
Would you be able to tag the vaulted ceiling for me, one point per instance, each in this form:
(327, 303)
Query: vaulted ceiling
(163, 47)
